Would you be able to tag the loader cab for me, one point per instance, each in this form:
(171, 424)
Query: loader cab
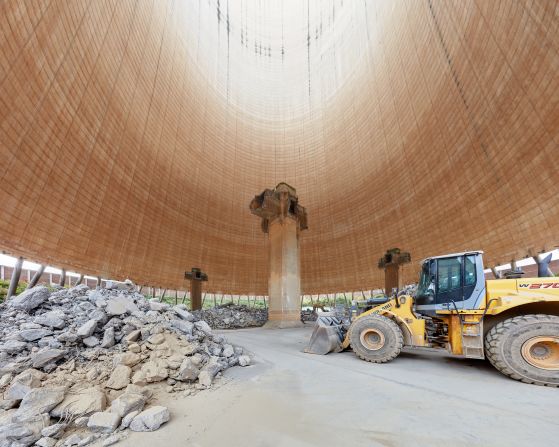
(451, 282)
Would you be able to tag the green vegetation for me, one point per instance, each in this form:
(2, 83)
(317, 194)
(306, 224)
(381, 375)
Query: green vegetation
(5, 284)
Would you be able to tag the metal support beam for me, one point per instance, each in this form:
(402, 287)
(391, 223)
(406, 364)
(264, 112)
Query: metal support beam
(36, 277)
(16, 273)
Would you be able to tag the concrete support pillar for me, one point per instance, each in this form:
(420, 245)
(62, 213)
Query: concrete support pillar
(543, 265)
(80, 280)
(391, 262)
(62, 281)
(36, 277)
(98, 285)
(196, 277)
(283, 219)
(16, 273)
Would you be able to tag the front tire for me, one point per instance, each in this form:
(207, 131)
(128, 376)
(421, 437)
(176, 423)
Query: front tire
(376, 338)
(526, 348)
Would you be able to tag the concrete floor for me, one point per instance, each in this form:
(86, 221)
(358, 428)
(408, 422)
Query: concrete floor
(289, 398)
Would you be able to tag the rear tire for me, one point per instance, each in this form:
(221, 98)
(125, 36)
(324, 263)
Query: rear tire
(526, 348)
(376, 338)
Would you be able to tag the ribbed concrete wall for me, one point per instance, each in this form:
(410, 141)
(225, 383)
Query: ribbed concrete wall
(133, 134)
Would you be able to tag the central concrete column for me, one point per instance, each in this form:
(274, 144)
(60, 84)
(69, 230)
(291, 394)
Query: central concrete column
(283, 219)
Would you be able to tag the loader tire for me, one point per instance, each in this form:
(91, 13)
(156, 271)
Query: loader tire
(376, 338)
(526, 348)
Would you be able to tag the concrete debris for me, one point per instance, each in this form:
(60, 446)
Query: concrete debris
(150, 419)
(104, 422)
(232, 316)
(81, 402)
(128, 402)
(30, 299)
(120, 377)
(83, 361)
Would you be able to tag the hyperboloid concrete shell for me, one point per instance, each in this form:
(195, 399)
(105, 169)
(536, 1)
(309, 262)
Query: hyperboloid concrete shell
(134, 134)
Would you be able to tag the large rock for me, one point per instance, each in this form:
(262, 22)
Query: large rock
(120, 377)
(157, 306)
(203, 326)
(128, 359)
(155, 370)
(150, 419)
(87, 329)
(120, 305)
(208, 372)
(90, 342)
(128, 402)
(46, 356)
(38, 401)
(24, 434)
(184, 326)
(108, 338)
(34, 334)
(79, 403)
(244, 360)
(188, 370)
(104, 422)
(23, 383)
(53, 319)
(30, 299)
(13, 346)
(183, 313)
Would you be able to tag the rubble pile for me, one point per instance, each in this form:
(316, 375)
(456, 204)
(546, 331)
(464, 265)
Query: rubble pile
(233, 316)
(80, 365)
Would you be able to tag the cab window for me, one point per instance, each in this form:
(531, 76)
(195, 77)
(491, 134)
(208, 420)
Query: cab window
(470, 271)
(449, 274)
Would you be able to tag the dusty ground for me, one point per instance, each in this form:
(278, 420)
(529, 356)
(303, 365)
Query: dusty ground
(289, 398)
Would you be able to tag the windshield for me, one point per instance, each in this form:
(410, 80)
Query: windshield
(426, 287)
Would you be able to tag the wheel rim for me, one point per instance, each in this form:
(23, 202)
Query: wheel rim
(542, 352)
(372, 339)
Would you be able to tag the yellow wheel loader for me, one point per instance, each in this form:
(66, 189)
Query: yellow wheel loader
(514, 323)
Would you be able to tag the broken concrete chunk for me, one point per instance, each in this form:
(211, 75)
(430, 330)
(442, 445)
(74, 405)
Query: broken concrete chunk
(157, 306)
(120, 305)
(150, 419)
(184, 326)
(79, 403)
(34, 334)
(188, 370)
(120, 377)
(244, 360)
(53, 431)
(90, 342)
(203, 326)
(108, 338)
(46, 442)
(133, 336)
(128, 402)
(13, 346)
(46, 356)
(30, 299)
(228, 351)
(128, 359)
(23, 383)
(183, 313)
(53, 319)
(155, 370)
(104, 422)
(87, 329)
(38, 401)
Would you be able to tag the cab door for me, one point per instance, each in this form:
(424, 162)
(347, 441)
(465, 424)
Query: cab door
(456, 281)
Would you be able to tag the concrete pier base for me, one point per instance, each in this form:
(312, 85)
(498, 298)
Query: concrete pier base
(283, 219)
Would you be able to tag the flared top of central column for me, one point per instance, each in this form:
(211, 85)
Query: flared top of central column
(279, 203)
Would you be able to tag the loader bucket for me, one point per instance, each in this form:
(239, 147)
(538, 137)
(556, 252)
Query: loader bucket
(326, 336)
